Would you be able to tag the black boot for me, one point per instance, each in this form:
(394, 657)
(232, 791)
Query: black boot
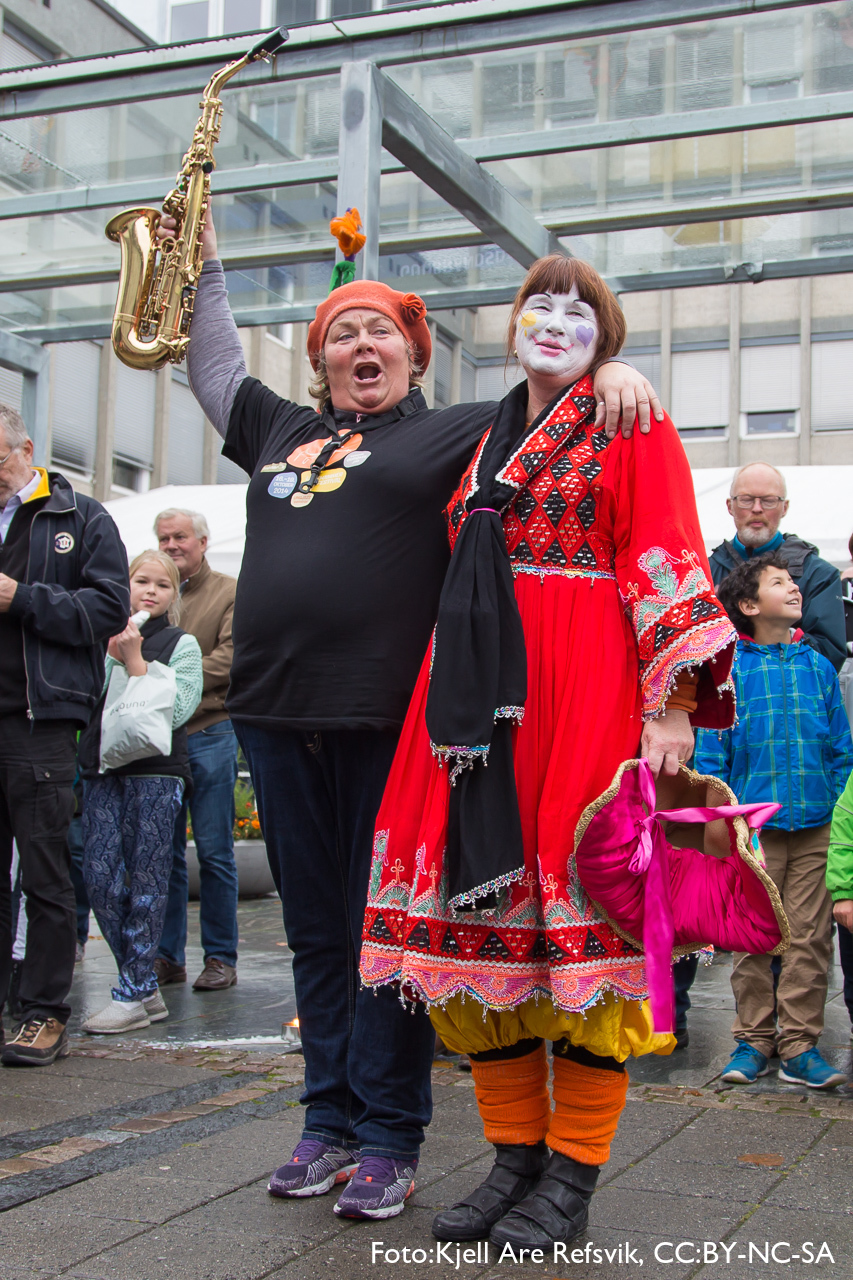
(514, 1174)
(555, 1212)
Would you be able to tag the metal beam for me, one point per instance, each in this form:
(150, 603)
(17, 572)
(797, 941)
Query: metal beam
(360, 157)
(500, 295)
(260, 177)
(22, 355)
(461, 29)
(579, 137)
(460, 235)
(412, 135)
(592, 135)
(675, 213)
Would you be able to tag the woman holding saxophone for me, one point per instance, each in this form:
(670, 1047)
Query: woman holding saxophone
(346, 551)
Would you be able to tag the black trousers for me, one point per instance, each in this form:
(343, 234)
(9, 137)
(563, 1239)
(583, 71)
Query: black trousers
(37, 762)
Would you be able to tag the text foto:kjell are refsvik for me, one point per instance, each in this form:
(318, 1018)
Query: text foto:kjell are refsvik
(709, 1252)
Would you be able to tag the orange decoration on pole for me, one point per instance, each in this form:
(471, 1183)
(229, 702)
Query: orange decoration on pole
(347, 231)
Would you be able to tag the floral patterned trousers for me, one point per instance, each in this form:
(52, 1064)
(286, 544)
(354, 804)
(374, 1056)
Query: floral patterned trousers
(128, 824)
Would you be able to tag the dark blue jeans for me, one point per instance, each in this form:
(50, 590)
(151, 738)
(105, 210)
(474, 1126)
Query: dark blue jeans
(213, 760)
(367, 1058)
(683, 975)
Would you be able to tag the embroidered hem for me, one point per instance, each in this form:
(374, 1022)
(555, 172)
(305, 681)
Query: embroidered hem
(701, 644)
(498, 988)
(482, 890)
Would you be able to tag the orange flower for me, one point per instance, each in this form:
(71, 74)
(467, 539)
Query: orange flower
(347, 231)
(413, 308)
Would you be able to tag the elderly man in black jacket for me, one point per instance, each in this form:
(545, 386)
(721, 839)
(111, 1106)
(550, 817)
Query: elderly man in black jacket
(757, 504)
(63, 592)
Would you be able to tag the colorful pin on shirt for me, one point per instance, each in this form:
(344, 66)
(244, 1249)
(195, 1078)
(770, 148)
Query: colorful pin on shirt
(282, 484)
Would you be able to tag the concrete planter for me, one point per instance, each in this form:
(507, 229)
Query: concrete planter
(253, 871)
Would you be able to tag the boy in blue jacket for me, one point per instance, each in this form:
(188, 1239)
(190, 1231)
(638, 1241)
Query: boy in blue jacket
(791, 745)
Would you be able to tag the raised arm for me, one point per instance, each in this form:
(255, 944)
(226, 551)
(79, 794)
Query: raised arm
(215, 362)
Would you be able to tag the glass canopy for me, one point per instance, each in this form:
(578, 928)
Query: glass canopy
(669, 153)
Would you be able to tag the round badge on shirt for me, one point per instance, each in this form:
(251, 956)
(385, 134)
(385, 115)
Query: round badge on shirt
(283, 484)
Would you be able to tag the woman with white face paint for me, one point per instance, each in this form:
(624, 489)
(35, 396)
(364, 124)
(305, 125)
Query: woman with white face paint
(577, 628)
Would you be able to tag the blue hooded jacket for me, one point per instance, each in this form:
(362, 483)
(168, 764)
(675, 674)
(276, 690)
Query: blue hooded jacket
(791, 743)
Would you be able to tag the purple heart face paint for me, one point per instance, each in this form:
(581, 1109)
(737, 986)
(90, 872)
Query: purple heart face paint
(556, 336)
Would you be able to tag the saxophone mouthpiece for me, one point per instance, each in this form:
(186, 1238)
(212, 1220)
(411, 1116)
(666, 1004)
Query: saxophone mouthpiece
(269, 45)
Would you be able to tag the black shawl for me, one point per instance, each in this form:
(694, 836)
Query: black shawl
(478, 677)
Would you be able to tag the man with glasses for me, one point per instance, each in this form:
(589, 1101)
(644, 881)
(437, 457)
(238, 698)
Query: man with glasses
(63, 593)
(757, 504)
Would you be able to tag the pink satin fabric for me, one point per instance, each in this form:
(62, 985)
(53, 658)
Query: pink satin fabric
(673, 897)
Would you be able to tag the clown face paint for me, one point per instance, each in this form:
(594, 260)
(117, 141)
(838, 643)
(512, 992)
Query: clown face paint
(556, 336)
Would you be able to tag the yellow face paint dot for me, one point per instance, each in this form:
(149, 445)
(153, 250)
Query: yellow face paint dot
(528, 319)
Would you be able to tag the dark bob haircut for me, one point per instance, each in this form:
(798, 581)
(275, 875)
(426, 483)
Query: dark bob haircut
(742, 584)
(556, 274)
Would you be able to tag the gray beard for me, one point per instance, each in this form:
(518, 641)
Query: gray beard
(756, 538)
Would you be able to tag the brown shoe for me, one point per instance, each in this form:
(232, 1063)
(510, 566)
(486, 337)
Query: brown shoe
(37, 1043)
(215, 976)
(166, 972)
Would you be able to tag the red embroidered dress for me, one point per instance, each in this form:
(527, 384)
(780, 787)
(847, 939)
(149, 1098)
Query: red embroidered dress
(615, 596)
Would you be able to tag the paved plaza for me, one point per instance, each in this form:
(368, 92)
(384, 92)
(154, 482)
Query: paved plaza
(147, 1159)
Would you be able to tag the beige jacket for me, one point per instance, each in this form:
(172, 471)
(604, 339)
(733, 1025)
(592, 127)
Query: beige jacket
(207, 606)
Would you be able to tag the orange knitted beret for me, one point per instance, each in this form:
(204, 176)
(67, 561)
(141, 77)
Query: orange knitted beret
(407, 310)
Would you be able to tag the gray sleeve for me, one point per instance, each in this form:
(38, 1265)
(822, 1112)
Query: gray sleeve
(215, 362)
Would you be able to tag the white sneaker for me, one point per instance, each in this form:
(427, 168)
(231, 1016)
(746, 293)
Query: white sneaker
(155, 1007)
(117, 1016)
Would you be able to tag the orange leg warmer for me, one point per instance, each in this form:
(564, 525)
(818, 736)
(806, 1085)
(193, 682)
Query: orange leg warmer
(512, 1095)
(588, 1102)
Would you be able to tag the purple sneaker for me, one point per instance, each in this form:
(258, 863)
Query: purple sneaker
(312, 1170)
(380, 1188)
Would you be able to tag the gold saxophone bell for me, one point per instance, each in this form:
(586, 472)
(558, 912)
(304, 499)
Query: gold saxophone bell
(158, 279)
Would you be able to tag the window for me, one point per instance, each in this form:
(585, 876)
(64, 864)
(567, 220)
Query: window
(127, 475)
(19, 49)
(189, 21)
(771, 424)
(647, 363)
(227, 472)
(186, 436)
(345, 8)
(773, 61)
(495, 380)
(75, 369)
(700, 393)
(831, 365)
(11, 388)
(770, 389)
(443, 358)
(289, 13)
(241, 15)
(136, 390)
(469, 381)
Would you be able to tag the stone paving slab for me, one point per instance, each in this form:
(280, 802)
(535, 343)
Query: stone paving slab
(193, 1131)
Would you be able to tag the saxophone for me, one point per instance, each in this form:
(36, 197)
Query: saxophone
(159, 278)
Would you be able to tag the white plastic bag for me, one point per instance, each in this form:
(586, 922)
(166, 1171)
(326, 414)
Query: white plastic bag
(137, 719)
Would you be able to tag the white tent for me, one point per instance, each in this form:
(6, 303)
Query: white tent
(224, 505)
(821, 511)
